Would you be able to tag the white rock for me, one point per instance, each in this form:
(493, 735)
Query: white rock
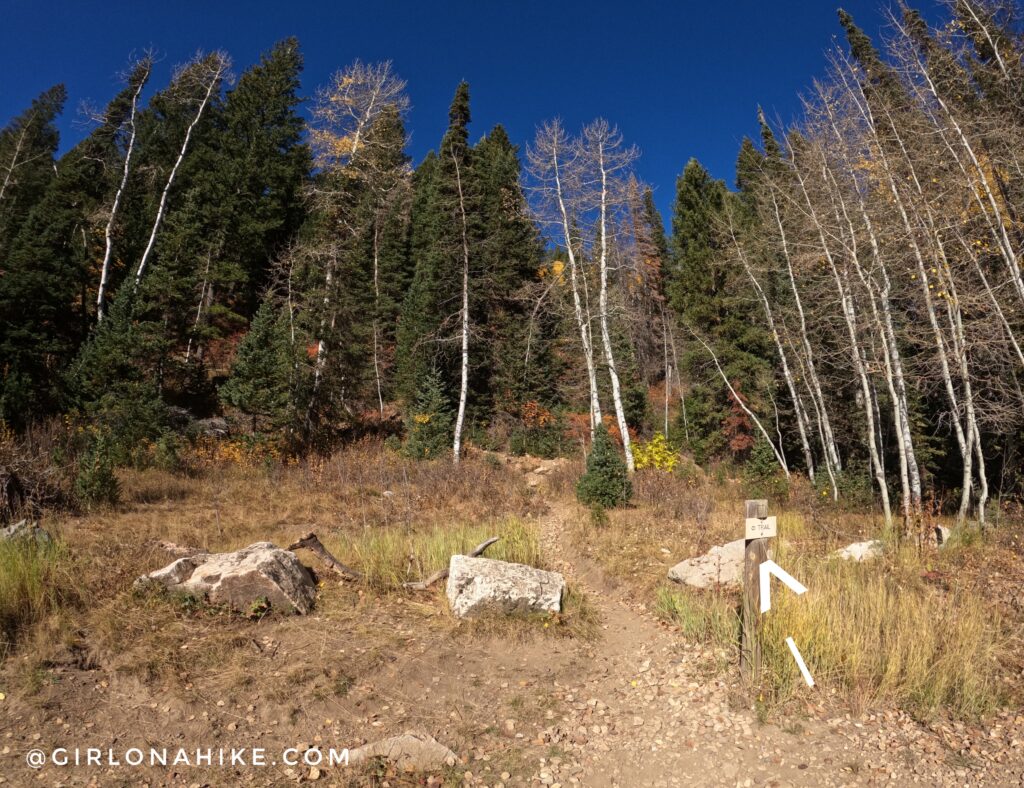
(238, 579)
(860, 551)
(410, 751)
(476, 585)
(943, 534)
(721, 565)
(24, 529)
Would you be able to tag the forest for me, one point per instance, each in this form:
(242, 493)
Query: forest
(225, 254)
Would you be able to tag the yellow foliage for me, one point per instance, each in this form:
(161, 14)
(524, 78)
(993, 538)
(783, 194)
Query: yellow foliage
(657, 453)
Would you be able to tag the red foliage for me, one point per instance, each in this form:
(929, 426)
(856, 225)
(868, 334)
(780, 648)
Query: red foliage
(737, 427)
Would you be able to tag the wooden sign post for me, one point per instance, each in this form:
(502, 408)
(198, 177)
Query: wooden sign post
(758, 528)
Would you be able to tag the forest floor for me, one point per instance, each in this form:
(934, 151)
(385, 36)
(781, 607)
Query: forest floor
(608, 696)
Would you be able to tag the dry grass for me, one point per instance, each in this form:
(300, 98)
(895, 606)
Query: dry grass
(888, 630)
(709, 618)
(915, 630)
(389, 557)
(35, 581)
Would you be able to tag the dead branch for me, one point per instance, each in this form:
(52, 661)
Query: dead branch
(315, 546)
(441, 574)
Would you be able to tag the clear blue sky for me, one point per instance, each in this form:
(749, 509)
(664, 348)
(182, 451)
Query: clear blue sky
(682, 79)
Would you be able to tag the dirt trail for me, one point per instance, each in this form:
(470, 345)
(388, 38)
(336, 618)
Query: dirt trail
(653, 711)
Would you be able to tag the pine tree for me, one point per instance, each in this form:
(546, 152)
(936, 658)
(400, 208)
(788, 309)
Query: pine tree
(707, 294)
(517, 365)
(27, 147)
(606, 482)
(260, 383)
(430, 310)
(46, 291)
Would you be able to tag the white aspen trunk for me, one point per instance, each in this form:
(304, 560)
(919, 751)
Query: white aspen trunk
(108, 232)
(880, 303)
(802, 420)
(819, 422)
(909, 476)
(199, 309)
(464, 386)
(14, 162)
(829, 447)
(161, 210)
(996, 220)
(849, 316)
(582, 320)
(376, 313)
(609, 356)
(1011, 336)
(753, 416)
(668, 369)
(679, 381)
(321, 345)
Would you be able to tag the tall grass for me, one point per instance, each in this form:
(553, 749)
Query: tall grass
(882, 631)
(34, 581)
(389, 557)
(702, 616)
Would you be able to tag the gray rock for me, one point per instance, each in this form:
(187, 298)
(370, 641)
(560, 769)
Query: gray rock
(214, 427)
(860, 551)
(24, 529)
(942, 534)
(476, 585)
(722, 565)
(411, 751)
(238, 579)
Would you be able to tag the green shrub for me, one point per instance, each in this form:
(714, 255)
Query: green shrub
(428, 426)
(606, 482)
(96, 483)
(762, 475)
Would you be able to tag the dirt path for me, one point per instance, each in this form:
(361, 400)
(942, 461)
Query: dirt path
(651, 711)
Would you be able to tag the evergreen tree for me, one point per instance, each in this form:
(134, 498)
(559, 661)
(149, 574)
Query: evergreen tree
(51, 271)
(27, 147)
(516, 366)
(431, 305)
(606, 482)
(261, 378)
(708, 294)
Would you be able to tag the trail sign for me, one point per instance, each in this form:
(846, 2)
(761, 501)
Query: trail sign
(761, 527)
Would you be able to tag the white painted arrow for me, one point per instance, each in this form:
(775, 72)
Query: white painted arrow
(769, 568)
(800, 662)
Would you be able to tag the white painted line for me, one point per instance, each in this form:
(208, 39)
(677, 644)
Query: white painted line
(800, 662)
(768, 568)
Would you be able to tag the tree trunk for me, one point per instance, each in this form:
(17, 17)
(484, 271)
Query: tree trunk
(464, 385)
(108, 232)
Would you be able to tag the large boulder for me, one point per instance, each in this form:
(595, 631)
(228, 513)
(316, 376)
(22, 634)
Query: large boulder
(412, 751)
(239, 579)
(722, 565)
(478, 585)
(860, 551)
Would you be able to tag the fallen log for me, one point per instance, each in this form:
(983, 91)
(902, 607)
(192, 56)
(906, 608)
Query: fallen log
(441, 574)
(315, 546)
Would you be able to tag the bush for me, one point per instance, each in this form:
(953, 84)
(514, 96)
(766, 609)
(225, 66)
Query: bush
(657, 453)
(96, 483)
(606, 482)
(762, 475)
(428, 427)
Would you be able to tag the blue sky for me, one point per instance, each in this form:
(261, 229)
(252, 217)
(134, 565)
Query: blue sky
(682, 79)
